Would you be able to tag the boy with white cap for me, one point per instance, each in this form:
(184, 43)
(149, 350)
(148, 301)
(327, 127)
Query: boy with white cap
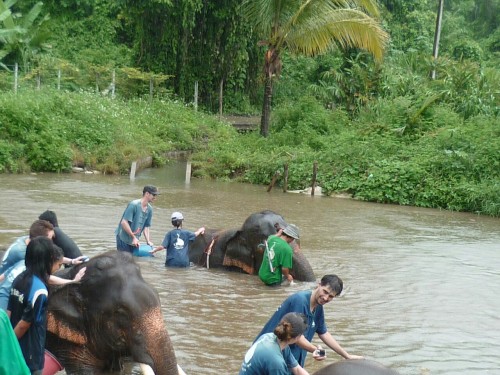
(177, 243)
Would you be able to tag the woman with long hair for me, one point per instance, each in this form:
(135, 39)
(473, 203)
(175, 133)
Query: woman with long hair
(27, 306)
(267, 355)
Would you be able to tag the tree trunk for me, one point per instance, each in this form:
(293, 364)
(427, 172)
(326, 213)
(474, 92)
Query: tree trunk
(437, 35)
(266, 107)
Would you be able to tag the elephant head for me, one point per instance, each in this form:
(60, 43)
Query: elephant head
(356, 367)
(236, 249)
(111, 315)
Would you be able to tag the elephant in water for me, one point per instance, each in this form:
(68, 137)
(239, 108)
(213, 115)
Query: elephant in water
(237, 249)
(356, 367)
(111, 316)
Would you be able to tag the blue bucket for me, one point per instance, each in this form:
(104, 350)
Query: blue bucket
(143, 251)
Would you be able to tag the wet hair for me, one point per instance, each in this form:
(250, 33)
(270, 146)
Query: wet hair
(177, 223)
(39, 255)
(334, 282)
(292, 325)
(49, 216)
(56, 254)
(40, 228)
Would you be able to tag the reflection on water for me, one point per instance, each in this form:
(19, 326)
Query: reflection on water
(420, 285)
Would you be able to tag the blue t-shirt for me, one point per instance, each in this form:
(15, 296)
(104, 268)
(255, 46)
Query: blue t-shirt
(28, 302)
(177, 244)
(15, 253)
(299, 302)
(137, 218)
(265, 357)
(6, 284)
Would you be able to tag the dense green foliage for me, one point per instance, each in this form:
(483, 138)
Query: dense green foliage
(382, 132)
(52, 131)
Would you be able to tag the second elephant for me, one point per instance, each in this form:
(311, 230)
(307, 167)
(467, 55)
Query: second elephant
(236, 249)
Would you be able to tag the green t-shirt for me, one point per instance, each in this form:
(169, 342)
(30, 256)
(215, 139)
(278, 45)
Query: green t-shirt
(11, 357)
(281, 255)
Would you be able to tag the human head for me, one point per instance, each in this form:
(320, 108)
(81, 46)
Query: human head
(328, 288)
(39, 255)
(177, 219)
(57, 256)
(291, 326)
(153, 190)
(49, 216)
(41, 228)
(292, 231)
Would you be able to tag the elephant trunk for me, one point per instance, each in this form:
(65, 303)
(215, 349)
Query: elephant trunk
(302, 269)
(159, 353)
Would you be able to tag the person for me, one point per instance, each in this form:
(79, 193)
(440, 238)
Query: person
(136, 220)
(27, 307)
(11, 357)
(267, 354)
(177, 242)
(310, 303)
(13, 262)
(278, 256)
(61, 239)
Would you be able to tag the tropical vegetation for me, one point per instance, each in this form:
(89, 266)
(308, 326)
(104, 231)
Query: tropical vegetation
(102, 83)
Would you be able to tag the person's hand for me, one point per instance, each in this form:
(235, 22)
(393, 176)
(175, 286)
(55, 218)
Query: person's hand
(149, 243)
(317, 356)
(352, 356)
(202, 230)
(79, 260)
(79, 275)
(135, 241)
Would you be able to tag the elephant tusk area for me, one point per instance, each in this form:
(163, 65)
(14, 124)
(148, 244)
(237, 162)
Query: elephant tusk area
(146, 369)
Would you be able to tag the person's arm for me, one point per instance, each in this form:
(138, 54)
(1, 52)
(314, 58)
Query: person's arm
(21, 328)
(156, 249)
(126, 227)
(2, 277)
(328, 339)
(56, 280)
(299, 370)
(146, 236)
(75, 261)
(287, 274)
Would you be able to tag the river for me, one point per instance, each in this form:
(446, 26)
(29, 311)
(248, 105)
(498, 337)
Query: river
(420, 285)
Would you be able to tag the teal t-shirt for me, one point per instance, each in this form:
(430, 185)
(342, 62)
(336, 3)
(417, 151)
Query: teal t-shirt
(265, 357)
(279, 254)
(137, 219)
(11, 357)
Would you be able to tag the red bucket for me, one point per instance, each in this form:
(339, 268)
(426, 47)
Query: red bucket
(52, 365)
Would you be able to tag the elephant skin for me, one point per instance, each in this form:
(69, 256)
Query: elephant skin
(236, 249)
(356, 367)
(111, 316)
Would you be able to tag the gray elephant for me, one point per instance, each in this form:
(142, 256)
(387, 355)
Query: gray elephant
(111, 316)
(237, 249)
(356, 367)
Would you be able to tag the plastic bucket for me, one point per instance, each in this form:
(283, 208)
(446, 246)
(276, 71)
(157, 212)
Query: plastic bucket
(52, 365)
(143, 251)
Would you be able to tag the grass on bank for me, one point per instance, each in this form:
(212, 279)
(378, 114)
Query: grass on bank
(385, 155)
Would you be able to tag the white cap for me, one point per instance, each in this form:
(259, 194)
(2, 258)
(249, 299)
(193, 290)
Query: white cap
(177, 216)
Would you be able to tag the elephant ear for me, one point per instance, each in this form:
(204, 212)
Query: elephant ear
(239, 254)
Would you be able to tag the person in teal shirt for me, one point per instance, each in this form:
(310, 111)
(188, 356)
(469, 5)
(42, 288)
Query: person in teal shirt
(11, 357)
(278, 256)
(267, 354)
(136, 220)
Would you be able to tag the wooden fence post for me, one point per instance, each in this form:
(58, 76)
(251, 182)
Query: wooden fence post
(16, 73)
(285, 178)
(273, 181)
(315, 171)
(196, 96)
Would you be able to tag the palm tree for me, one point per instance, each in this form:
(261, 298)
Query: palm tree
(311, 27)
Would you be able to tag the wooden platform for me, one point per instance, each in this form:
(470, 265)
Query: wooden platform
(243, 123)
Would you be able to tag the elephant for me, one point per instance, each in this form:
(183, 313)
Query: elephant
(356, 367)
(236, 249)
(110, 316)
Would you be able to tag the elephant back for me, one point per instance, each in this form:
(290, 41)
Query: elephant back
(356, 367)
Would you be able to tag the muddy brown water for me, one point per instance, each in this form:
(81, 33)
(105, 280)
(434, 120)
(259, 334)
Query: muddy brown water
(421, 285)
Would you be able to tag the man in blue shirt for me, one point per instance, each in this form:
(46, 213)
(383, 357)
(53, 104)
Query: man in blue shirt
(310, 303)
(136, 220)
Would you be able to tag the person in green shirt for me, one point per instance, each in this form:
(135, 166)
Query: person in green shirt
(278, 256)
(11, 357)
